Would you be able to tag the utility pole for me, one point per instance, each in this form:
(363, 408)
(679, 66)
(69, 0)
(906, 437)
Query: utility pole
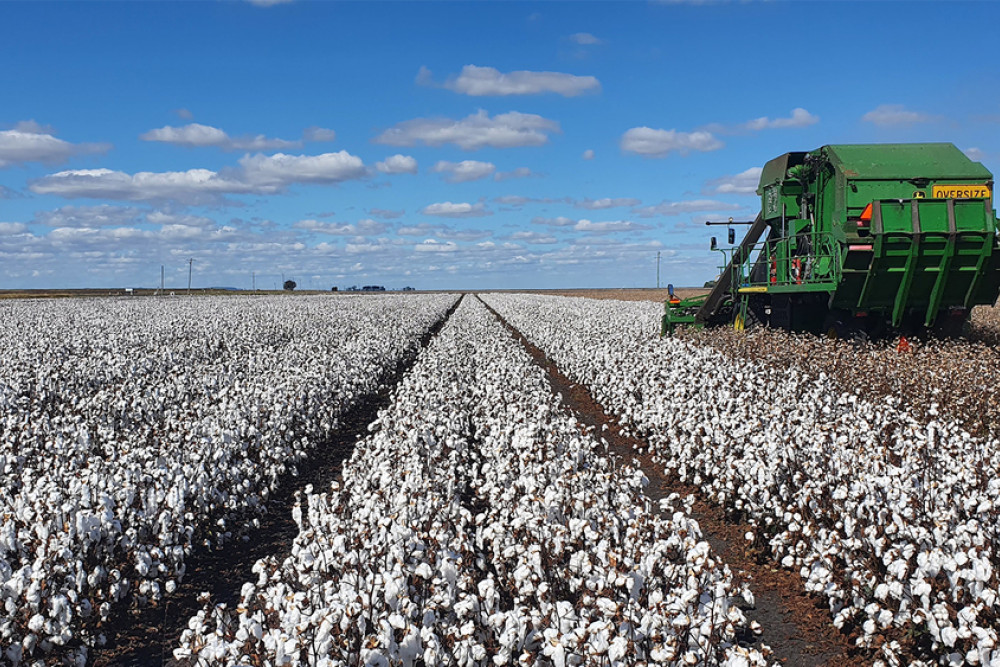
(190, 264)
(657, 269)
(253, 278)
(161, 279)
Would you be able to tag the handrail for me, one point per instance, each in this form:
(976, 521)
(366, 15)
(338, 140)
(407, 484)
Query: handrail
(781, 267)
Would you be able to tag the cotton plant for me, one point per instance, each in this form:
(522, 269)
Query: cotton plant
(132, 430)
(480, 524)
(891, 518)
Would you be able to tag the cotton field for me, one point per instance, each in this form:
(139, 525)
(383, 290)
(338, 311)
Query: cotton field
(478, 520)
(132, 429)
(892, 519)
(479, 525)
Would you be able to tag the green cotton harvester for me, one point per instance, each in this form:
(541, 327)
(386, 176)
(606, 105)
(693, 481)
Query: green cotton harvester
(859, 240)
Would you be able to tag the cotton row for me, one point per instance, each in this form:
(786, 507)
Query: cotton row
(958, 378)
(132, 429)
(478, 524)
(892, 519)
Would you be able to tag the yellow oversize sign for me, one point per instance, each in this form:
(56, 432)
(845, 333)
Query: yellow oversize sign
(961, 192)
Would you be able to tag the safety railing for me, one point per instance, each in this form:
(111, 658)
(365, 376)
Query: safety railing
(806, 259)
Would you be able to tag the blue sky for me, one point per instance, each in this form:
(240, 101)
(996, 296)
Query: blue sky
(445, 145)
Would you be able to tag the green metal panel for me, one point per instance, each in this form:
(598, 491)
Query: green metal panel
(927, 254)
(930, 246)
(885, 162)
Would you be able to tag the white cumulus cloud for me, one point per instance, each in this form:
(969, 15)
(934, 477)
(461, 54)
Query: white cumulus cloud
(397, 164)
(606, 202)
(12, 228)
(256, 174)
(680, 207)
(190, 186)
(32, 142)
(743, 183)
(974, 153)
(659, 143)
(431, 245)
(459, 210)
(366, 227)
(559, 221)
(489, 81)
(588, 154)
(384, 213)
(196, 135)
(473, 132)
(534, 238)
(895, 114)
(279, 170)
(606, 227)
(799, 118)
(464, 171)
(519, 172)
(104, 215)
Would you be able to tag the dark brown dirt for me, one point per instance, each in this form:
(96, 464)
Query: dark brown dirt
(797, 625)
(145, 637)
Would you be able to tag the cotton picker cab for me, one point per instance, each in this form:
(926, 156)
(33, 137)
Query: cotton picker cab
(859, 240)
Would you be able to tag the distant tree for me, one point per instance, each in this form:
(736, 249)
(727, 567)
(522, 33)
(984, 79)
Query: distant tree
(290, 285)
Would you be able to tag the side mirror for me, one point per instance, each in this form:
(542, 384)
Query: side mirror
(715, 243)
(732, 236)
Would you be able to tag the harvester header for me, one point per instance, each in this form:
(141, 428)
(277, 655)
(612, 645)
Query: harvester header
(861, 238)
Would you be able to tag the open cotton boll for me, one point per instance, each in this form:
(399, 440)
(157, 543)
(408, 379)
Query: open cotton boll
(838, 482)
(136, 440)
(469, 521)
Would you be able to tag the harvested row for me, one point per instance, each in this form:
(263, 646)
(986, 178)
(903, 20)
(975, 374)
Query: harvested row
(957, 378)
(481, 523)
(893, 520)
(132, 429)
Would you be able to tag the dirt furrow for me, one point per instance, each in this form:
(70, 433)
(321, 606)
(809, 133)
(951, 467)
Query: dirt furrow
(797, 625)
(145, 637)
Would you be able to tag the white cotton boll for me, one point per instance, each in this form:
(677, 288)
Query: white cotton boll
(36, 623)
(607, 606)
(988, 596)
(618, 649)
